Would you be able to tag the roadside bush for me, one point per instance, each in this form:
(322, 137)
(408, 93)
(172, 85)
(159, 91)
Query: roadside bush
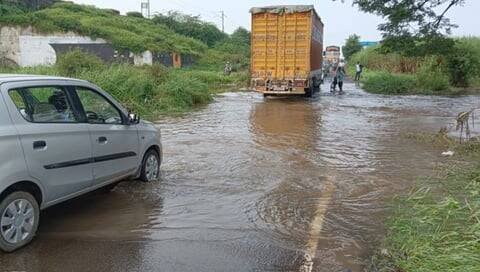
(191, 26)
(178, 93)
(134, 14)
(464, 62)
(387, 83)
(76, 61)
(373, 59)
(211, 78)
(149, 91)
(157, 71)
(432, 76)
(436, 228)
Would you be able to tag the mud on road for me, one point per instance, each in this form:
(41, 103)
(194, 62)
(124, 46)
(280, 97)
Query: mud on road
(253, 185)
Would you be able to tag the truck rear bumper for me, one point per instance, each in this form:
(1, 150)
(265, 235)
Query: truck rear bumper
(279, 92)
(280, 87)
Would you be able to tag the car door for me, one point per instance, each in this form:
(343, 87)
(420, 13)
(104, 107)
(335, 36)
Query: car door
(115, 143)
(55, 142)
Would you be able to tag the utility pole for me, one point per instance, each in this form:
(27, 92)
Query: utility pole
(146, 9)
(223, 20)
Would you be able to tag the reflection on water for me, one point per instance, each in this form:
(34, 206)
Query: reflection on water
(97, 232)
(254, 184)
(285, 124)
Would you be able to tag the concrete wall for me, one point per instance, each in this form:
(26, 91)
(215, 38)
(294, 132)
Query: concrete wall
(143, 59)
(26, 47)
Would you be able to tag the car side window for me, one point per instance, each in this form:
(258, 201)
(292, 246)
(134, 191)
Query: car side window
(97, 108)
(43, 104)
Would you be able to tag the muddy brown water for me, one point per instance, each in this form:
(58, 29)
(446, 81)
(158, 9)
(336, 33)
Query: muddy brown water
(254, 184)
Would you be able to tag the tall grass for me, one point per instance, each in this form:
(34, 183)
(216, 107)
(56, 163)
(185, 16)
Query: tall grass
(433, 74)
(392, 63)
(436, 227)
(388, 83)
(149, 91)
(432, 77)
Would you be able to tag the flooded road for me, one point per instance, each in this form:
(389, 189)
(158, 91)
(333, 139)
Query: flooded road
(254, 184)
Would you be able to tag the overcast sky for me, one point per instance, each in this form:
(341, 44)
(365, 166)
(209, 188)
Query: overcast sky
(340, 19)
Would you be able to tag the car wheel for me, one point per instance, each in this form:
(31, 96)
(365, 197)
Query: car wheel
(19, 218)
(150, 166)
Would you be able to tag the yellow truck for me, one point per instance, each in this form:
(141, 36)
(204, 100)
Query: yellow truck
(287, 50)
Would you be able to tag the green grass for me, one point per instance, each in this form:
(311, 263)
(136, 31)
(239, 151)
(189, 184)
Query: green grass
(432, 75)
(175, 32)
(123, 32)
(436, 227)
(382, 82)
(149, 91)
(388, 83)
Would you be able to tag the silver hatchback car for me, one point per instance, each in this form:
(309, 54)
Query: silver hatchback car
(61, 138)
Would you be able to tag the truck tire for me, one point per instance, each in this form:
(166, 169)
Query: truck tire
(309, 91)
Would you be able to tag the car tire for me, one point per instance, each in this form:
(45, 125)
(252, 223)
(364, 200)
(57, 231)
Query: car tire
(19, 219)
(150, 166)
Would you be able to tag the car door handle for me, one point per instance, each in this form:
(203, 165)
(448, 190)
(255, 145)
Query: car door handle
(102, 140)
(39, 144)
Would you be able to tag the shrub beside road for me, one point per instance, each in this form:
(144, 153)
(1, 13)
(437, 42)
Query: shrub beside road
(394, 73)
(436, 227)
(147, 90)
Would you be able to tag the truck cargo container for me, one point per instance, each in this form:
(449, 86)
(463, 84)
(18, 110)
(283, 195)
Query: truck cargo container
(287, 50)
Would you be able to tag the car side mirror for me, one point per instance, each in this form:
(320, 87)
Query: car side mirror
(91, 116)
(133, 119)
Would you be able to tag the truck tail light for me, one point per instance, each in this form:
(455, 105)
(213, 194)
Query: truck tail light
(259, 83)
(300, 83)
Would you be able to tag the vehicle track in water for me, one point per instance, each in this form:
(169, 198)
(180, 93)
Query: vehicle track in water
(254, 184)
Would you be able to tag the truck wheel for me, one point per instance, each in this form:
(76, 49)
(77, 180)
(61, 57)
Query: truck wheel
(150, 166)
(19, 218)
(311, 88)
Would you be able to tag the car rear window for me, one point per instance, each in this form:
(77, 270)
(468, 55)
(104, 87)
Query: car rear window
(43, 104)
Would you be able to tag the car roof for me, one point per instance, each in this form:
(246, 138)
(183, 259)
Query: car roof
(25, 77)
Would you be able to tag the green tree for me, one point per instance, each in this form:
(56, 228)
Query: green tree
(352, 46)
(191, 26)
(134, 14)
(413, 27)
(241, 35)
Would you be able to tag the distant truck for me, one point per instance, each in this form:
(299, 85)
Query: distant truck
(332, 55)
(287, 50)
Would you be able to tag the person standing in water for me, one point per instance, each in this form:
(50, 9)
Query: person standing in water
(340, 75)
